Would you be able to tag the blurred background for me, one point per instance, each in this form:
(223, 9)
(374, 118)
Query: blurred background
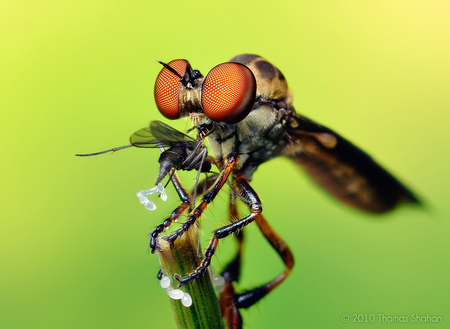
(77, 77)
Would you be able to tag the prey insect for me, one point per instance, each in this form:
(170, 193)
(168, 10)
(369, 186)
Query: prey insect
(179, 151)
(182, 153)
(244, 108)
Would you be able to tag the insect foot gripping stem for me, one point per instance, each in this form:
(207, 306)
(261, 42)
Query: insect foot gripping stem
(146, 202)
(200, 295)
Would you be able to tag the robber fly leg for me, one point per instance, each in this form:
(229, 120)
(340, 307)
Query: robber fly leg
(208, 197)
(232, 270)
(250, 297)
(186, 200)
(228, 308)
(231, 273)
(255, 208)
(203, 186)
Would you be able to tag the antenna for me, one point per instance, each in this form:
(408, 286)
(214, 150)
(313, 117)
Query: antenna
(102, 152)
(170, 69)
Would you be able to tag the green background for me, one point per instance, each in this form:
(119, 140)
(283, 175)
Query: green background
(78, 77)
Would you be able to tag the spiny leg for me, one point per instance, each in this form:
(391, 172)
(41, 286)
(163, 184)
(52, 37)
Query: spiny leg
(255, 208)
(231, 274)
(186, 200)
(233, 268)
(204, 185)
(228, 307)
(248, 298)
(208, 197)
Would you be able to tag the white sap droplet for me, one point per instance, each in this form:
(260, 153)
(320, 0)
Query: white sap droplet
(219, 283)
(186, 300)
(146, 202)
(149, 205)
(220, 289)
(176, 294)
(165, 282)
(160, 188)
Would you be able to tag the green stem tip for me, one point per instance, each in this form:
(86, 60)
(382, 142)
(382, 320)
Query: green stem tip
(183, 258)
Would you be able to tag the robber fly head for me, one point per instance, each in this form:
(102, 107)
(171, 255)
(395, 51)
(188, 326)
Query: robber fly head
(226, 95)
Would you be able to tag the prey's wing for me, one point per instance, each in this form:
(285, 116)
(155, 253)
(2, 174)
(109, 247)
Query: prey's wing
(159, 134)
(345, 171)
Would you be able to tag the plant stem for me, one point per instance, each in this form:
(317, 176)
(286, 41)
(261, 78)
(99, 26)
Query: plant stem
(204, 313)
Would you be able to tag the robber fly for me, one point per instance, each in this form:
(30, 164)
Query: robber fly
(244, 108)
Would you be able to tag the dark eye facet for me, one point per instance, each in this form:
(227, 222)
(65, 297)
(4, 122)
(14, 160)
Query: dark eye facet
(167, 89)
(228, 92)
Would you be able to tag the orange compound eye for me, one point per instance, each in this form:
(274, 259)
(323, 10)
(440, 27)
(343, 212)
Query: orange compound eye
(167, 89)
(228, 92)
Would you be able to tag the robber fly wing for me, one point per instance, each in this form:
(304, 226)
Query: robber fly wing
(341, 168)
(159, 134)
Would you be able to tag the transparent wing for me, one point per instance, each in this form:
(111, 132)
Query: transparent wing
(159, 133)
